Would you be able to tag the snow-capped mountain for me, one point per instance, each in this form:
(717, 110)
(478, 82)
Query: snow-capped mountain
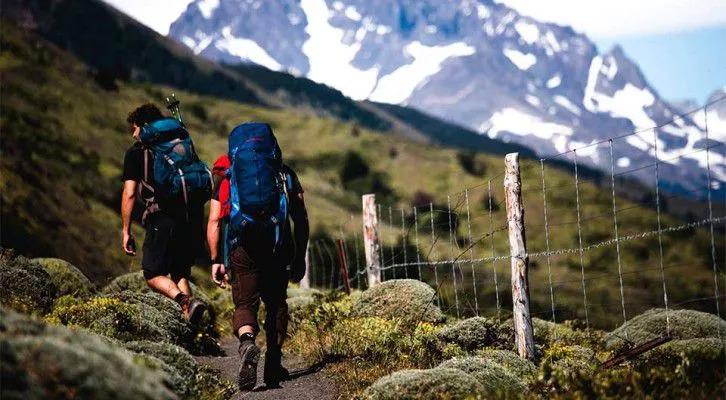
(474, 62)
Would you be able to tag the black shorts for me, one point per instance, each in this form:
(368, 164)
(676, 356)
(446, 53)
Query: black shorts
(170, 247)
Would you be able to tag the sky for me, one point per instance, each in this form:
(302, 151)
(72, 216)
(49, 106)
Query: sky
(679, 44)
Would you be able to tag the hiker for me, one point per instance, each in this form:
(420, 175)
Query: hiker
(255, 246)
(164, 172)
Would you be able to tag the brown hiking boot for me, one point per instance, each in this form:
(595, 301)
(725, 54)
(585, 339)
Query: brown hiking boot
(249, 356)
(192, 308)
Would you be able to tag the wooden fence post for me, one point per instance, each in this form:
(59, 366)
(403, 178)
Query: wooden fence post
(523, 332)
(305, 282)
(343, 262)
(370, 240)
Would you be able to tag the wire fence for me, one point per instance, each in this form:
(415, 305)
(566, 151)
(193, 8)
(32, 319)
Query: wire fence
(602, 246)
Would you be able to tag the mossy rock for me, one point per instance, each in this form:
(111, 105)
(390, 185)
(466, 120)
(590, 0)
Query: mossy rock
(126, 316)
(44, 361)
(512, 362)
(494, 378)
(684, 324)
(66, 277)
(177, 363)
(171, 377)
(406, 299)
(697, 352)
(437, 383)
(25, 286)
(570, 359)
(135, 282)
(475, 333)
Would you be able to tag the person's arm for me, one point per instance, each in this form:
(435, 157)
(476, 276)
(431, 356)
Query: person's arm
(213, 229)
(127, 206)
(301, 233)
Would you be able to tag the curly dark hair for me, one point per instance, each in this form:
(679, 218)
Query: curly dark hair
(144, 114)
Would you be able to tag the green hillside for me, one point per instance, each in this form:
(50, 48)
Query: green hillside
(63, 140)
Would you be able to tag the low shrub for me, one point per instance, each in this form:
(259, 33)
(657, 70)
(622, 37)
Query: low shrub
(135, 282)
(494, 378)
(476, 333)
(42, 362)
(438, 383)
(684, 324)
(563, 367)
(175, 361)
(512, 362)
(409, 300)
(66, 277)
(25, 286)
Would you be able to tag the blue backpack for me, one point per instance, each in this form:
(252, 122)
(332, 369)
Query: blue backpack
(178, 172)
(258, 190)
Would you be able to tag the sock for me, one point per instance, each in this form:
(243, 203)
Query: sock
(181, 298)
(246, 336)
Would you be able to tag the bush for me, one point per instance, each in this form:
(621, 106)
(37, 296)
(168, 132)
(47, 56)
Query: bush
(475, 333)
(135, 282)
(513, 363)
(566, 367)
(41, 362)
(688, 362)
(66, 277)
(25, 286)
(176, 362)
(547, 333)
(125, 318)
(685, 324)
(409, 300)
(438, 383)
(494, 378)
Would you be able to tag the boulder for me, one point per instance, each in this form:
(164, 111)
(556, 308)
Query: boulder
(66, 277)
(437, 383)
(407, 299)
(512, 362)
(175, 361)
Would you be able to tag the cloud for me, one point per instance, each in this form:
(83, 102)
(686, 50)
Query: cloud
(619, 18)
(156, 14)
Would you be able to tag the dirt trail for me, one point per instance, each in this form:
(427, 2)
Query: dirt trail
(313, 385)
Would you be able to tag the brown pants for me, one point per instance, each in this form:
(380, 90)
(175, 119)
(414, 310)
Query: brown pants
(258, 275)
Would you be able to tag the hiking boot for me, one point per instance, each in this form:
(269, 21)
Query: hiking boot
(274, 371)
(192, 308)
(249, 356)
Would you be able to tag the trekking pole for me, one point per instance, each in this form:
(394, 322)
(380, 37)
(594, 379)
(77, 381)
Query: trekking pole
(172, 104)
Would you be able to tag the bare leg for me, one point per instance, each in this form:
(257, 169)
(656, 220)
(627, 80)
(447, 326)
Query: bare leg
(245, 329)
(165, 286)
(182, 284)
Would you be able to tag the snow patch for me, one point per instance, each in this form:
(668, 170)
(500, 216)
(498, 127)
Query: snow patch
(246, 49)
(528, 32)
(567, 104)
(352, 13)
(519, 123)
(533, 100)
(397, 86)
(520, 60)
(629, 102)
(623, 162)
(383, 29)
(189, 42)
(593, 73)
(330, 59)
(554, 81)
(482, 11)
(207, 7)
(611, 69)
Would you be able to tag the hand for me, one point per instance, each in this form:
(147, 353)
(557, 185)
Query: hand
(129, 244)
(297, 271)
(219, 275)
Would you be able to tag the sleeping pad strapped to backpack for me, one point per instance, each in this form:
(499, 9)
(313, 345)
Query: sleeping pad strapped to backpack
(258, 191)
(178, 172)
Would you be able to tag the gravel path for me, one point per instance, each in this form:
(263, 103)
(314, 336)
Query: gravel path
(304, 385)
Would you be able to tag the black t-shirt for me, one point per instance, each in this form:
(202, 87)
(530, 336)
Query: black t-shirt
(138, 158)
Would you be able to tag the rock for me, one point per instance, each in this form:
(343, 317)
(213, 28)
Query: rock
(570, 360)
(512, 362)
(409, 300)
(475, 333)
(66, 277)
(43, 361)
(437, 383)
(685, 324)
(25, 286)
(698, 352)
(494, 378)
